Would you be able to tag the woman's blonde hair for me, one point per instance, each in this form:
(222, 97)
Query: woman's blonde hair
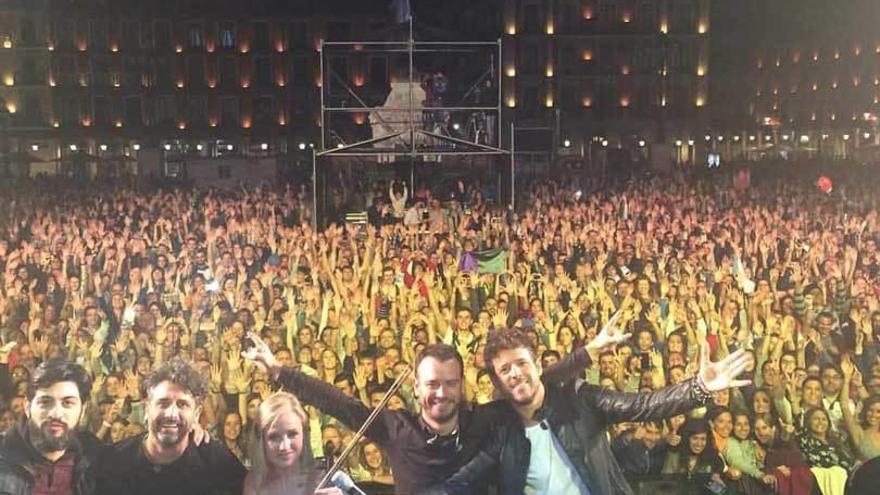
(268, 413)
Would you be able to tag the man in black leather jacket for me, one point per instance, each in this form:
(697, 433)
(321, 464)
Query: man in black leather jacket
(44, 452)
(565, 428)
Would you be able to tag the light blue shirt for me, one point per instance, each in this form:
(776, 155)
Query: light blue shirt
(550, 470)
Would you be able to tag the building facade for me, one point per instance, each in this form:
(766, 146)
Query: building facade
(632, 72)
(165, 82)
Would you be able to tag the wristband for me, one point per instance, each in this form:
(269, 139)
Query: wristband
(699, 392)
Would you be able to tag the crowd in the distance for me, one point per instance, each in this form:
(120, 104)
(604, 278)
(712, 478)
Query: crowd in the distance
(119, 282)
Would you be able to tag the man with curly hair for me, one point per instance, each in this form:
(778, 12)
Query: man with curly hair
(550, 440)
(166, 460)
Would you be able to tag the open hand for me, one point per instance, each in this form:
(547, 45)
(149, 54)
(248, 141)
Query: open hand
(722, 374)
(607, 338)
(262, 355)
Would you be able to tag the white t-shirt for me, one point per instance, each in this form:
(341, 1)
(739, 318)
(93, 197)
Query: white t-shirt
(550, 470)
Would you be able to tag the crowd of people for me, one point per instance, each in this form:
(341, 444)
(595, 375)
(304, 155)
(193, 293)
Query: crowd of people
(125, 284)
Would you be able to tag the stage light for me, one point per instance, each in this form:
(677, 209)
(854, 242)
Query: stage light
(340, 146)
(751, 138)
(167, 147)
(846, 137)
(708, 137)
(641, 143)
(456, 126)
(604, 143)
(736, 138)
(229, 147)
(690, 142)
(199, 147)
(302, 146)
(785, 137)
(35, 147)
(721, 138)
(567, 143)
(73, 147)
(768, 137)
(866, 135)
(824, 136)
(264, 146)
(678, 142)
(103, 147)
(136, 147)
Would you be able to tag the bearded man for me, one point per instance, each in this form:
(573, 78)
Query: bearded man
(44, 453)
(166, 459)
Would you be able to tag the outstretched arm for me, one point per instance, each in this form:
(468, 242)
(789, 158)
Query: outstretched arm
(576, 362)
(324, 396)
(670, 401)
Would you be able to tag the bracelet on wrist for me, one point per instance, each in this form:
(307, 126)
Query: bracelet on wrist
(699, 392)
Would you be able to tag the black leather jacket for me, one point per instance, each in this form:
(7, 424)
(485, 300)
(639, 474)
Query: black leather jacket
(415, 461)
(17, 456)
(578, 415)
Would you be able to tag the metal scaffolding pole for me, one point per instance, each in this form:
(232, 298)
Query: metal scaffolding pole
(512, 166)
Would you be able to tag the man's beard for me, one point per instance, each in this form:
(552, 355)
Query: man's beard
(42, 438)
(170, 438)
(451, 404)
(508, 393)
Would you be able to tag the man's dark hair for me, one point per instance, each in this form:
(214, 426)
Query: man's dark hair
(506, 339)
(58, 370)
(440, 352)
(343, 377)
(180, 373)
(551, 353)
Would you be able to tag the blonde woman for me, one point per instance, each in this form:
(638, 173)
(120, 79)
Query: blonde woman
(282, 462)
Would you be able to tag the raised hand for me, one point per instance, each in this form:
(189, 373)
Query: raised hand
(500, 319)
(722, 374)
(262, 356)
(607, 338)
(847, 367)
(132, 385)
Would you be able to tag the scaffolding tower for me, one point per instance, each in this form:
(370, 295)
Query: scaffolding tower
(445, 106)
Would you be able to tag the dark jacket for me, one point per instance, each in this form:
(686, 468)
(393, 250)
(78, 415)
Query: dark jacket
(578, 416)
(209, 469)
(418, 459)
(17, 456)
